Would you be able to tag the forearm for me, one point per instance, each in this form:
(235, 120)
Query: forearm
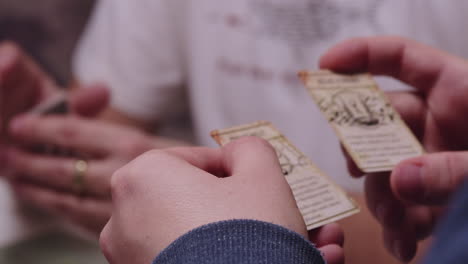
(240, 241)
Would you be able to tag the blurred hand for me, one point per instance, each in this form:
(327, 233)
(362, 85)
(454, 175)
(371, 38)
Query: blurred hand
(164, 194)
(22, 84)
(47, 181)
(408, 202)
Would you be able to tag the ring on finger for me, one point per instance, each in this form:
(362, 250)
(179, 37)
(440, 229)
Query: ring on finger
(79, 174)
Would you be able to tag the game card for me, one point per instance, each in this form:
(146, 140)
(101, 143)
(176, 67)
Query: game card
(371, 131)
(318, 198)
(56, 104)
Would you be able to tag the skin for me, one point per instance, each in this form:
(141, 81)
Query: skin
(185, 188)
(106, 138)
(92, 129)
(409, 201)
(46, 180)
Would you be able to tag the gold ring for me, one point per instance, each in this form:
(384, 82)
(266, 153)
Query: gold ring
(81, 167)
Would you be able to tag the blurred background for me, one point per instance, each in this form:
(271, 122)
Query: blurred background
(47, 30)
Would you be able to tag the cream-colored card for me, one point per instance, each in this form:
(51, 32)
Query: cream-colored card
(318, 198)
(371, 131)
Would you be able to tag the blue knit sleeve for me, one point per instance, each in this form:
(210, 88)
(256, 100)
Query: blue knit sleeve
(451, 239)
(240, 242)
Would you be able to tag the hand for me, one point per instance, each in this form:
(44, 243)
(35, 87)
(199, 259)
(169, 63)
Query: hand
(164, 194)
(47, 181)
(408, 202)
(23, 85)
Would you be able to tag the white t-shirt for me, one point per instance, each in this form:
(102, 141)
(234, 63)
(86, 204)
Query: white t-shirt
(239, 58)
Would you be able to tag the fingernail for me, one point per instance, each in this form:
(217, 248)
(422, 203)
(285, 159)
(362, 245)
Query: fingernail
(409, 181)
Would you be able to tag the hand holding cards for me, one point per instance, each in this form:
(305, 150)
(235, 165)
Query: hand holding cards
(369, 128)
(371, 131)
(320, 201)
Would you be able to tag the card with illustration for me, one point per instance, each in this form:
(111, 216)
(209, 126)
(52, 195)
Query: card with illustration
(370, 129)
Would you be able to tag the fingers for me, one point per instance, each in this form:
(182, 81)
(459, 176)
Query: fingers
(90, 101)
(59, 173)
(412, 110)
(18, 85)
(17, 68)
(419, 224)
(80, 135)
(421, 220)
(333, 254)
(413, 63)
(404, 225)
(403, 244)
(382, 203)
(192, 167)
(245, 156)
(89, 213)
(207, 159)
(327, 235)
(430, 179)
(251, 156)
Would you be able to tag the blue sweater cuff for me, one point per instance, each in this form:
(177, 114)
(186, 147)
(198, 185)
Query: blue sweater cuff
(240, 241)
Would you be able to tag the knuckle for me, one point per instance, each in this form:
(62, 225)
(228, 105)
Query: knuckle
(124, 183)
(130, 179)
(119, 184)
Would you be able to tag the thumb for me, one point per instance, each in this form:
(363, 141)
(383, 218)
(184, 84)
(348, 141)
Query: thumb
(90, 101)
(251, 156)
(430, 179)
